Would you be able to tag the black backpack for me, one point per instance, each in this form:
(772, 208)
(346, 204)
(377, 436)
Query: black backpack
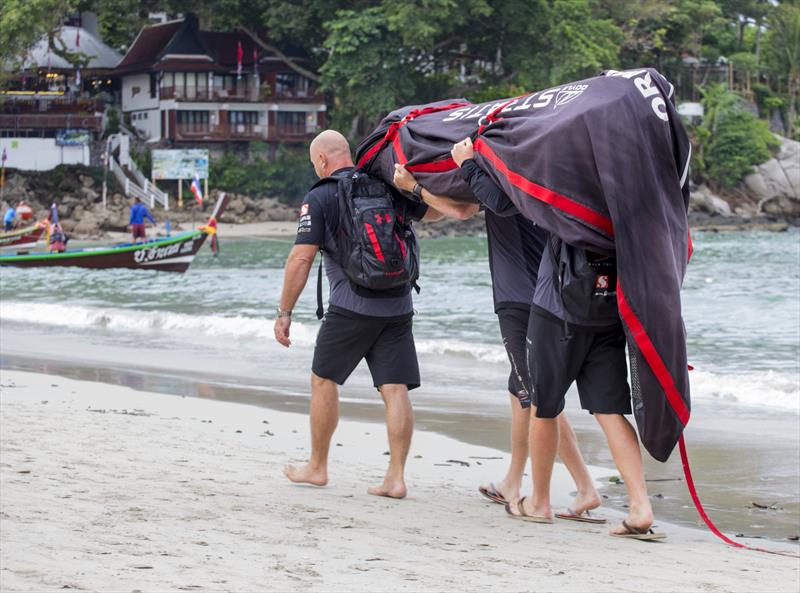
(375, 243)
(587, 282)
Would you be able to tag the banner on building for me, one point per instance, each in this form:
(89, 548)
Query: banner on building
(180, 164)
(74, 137)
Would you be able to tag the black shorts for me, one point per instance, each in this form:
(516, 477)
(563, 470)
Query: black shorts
(595, 359)
(514, 329)
(386, 343)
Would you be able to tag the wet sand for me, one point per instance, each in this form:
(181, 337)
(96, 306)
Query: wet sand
(713, 450)
(107, 488)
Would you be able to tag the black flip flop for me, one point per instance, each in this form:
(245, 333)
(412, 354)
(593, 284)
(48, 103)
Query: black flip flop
(492, 494)
(641, 533)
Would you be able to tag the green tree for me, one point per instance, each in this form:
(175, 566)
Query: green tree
(783, 43)
(22, 24)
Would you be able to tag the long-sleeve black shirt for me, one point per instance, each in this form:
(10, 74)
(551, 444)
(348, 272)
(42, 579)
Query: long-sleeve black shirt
(515, 243)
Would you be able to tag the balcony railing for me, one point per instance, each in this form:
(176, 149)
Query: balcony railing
(249, 131)
(251, 95)
(36, 104)
(39, 122)
(206, 94)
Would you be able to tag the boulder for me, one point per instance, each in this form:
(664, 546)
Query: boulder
(704, 200)
(237, 205)
(89, 194)
(88, 224)
(775, 185)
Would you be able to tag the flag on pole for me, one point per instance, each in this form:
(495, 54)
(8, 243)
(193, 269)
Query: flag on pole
(255, 73)
(239, 56)
(195, 187)
(78, 70)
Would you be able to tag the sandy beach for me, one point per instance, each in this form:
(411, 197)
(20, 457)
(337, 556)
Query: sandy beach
(107, 488)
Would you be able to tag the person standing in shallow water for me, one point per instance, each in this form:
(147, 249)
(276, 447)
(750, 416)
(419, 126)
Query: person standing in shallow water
(360, 324)
(515, 249)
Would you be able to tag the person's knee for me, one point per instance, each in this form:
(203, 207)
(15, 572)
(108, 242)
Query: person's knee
(322, 385)
(394, 390)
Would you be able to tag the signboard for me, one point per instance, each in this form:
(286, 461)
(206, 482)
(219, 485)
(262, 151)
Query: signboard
(76, 137)
(180, 164)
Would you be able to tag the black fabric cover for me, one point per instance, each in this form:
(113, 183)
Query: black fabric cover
(603, 164)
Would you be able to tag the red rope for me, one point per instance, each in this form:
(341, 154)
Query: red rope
(687, 472)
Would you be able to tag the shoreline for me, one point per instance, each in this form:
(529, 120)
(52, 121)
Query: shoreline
(286, 229)
(185, 493)
(740, 517)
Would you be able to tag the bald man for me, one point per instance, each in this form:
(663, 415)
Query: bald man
(360, 324)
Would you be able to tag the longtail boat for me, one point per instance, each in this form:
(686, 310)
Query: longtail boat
(22, 238)
(171, 254)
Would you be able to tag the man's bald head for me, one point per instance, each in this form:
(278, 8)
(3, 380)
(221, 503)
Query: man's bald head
(329, 151)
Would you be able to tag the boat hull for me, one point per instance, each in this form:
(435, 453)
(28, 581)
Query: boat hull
(168, 255)
(23, 238)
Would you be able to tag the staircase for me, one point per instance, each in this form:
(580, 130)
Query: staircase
(133, 182)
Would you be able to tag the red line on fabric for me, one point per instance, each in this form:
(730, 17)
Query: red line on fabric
(398, 150)
(687, 472)
(691, 248)
(545, 195)
(402, 245)
(440, 166)
(652, 357)
(374, 240)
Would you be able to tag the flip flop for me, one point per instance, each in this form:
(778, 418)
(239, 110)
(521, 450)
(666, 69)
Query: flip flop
(640, 533)
(492, 494)
(525, 516)
(584, 517)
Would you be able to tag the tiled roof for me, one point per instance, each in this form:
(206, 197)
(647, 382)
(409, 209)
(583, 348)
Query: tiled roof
(147, 46)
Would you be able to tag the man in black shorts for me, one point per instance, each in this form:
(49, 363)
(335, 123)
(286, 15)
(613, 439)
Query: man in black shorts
(359, 324)
(515, 248)
(591, 352)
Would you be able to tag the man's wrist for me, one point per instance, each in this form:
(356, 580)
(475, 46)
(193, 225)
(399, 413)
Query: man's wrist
(283, 312)
(417, 192)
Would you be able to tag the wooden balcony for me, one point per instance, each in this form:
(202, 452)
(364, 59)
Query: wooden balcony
(205, 132)
(204, 94)
(51, 122)
(49, 105)
(217, 95)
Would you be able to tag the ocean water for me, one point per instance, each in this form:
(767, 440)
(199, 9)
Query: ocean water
(741, 306)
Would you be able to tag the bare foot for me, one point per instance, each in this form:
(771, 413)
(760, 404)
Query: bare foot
(531, 510)
(306, 474)
(585, 502)
(508, 491)
(640, 519)
(389, 489)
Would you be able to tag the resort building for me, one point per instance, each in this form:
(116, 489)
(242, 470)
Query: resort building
(181, 85)
(50, 109)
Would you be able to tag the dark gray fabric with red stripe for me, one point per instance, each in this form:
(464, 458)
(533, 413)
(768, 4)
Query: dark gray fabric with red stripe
(602, 163)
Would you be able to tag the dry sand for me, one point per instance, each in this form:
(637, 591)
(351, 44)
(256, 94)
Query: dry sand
(106, 488)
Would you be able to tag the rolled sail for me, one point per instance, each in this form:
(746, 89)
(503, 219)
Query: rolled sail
(601, 162)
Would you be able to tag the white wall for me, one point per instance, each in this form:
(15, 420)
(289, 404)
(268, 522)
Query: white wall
(141, 99)
(148, 121)
(41, 154)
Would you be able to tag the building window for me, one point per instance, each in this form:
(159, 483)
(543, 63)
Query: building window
(192, 117)
(153, 84)
(291, 123)
(243, 117)
(291, 84)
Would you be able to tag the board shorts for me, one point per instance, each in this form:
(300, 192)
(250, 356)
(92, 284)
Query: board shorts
(595, 359)
(387, 344)
(514, 330)
(138, 231)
